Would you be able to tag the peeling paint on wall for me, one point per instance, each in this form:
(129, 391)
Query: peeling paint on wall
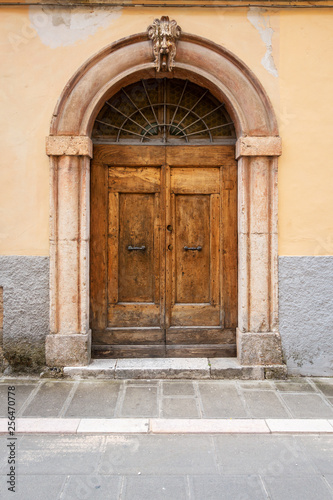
(261, 22)
(60, 27)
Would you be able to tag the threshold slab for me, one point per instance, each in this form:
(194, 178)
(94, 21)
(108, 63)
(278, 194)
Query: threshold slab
(98, 368)
(162, 368)
(166, 368)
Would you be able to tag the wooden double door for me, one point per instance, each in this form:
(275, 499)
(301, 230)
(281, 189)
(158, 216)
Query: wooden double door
(163, 251)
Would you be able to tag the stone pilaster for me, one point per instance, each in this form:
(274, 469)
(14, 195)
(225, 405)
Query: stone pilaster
(258, 339)
(70, 338)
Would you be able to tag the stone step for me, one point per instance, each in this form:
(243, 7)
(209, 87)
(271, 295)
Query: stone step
(173, 368)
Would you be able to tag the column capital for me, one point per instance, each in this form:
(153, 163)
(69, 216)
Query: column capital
(258, 146)
(69, 145)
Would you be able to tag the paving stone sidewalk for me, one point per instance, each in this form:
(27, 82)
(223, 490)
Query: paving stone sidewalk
(296, 398)
(171, 465)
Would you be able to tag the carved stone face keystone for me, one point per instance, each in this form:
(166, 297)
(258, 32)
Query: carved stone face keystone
(164, 34)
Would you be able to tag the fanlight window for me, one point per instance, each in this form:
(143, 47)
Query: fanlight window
(159, 111)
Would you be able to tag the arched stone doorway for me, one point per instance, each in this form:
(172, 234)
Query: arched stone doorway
(70, 149)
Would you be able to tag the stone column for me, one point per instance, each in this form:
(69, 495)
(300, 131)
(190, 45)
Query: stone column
(258, 338)
(69, 341)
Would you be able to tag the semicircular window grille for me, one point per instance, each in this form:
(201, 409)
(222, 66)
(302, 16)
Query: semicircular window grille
(163, 111)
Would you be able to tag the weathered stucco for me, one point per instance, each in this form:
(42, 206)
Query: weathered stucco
(306, 314)
(61, 27)
(260, 19)
(33, 76)
(25, 282)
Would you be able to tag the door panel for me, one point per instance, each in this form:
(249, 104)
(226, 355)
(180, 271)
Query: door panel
(129, 314)
(192, 228)
(195, 180)
(134, 253)
(134, 180)
(163, 251)
(136, 231)
(195, 235)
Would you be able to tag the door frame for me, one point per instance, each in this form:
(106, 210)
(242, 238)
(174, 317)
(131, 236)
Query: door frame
(257, 149)
(213, 338)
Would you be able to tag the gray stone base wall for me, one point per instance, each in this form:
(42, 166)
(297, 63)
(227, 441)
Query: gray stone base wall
(25, 282)
(306, 314)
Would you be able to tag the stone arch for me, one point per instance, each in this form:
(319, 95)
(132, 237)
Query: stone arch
(70, 149)
(197, 59)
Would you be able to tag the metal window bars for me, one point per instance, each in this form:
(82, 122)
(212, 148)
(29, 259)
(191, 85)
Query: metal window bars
(163, 110)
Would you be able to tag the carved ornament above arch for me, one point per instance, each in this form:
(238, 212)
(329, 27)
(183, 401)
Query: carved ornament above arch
(198, 60)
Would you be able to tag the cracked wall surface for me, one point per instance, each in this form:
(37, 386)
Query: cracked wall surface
(61, 27)
(260, 20)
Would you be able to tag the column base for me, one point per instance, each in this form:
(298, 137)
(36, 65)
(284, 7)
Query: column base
(259, 348)
(68, 350)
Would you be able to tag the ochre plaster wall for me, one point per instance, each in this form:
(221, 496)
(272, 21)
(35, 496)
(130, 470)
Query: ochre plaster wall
(289, 51)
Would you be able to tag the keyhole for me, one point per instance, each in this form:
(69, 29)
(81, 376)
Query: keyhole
(169, 227)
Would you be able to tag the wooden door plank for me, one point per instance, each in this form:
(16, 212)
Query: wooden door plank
(157, 248)
(113, 251)
(98, 245)
(215, 249)
(134, 180)
(130, 336)
(229, 243)
(140, 155)
(195, 335)
(195, 180)
(169, 234)
(201, 156)
(162, 247)
(159, 351)
(129, 156)
(201, 351)
(128, 351)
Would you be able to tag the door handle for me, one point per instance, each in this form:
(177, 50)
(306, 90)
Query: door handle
(130, 248)
(198, 249)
